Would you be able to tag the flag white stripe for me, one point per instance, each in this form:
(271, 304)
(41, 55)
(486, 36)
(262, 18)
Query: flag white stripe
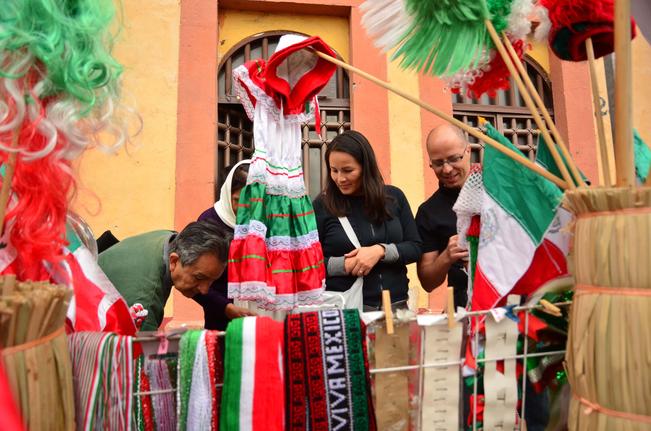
(248, 374)
(505, 248)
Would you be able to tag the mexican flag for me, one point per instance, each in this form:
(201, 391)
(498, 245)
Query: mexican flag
(96, 304)
(545, 159)
(522, 244)
(253, 372)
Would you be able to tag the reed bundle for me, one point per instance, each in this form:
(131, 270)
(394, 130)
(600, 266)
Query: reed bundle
(609, 343)
(34, 352)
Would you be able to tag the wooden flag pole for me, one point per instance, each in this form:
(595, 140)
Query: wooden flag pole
(601, 131)
(529, 102)
(470, 130)
(624, 157)
(545, 113)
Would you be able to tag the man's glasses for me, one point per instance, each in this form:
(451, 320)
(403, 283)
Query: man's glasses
(452, 160)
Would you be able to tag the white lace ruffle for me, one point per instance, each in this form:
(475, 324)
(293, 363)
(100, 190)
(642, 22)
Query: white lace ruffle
(276, 243)
(288, 243)
(264, 296)
(254, 227)
(277, 181)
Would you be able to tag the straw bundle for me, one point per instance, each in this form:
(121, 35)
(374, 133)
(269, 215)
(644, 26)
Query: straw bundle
(609, 344)
(35, 353)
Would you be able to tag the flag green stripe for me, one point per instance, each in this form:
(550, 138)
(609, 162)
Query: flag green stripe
(545, 159)
(642, 157)
(526, 196)
(74, 242)
(229, 418)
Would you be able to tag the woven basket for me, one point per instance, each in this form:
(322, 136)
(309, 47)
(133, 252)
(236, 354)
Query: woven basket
(609, 343)
(40, 376)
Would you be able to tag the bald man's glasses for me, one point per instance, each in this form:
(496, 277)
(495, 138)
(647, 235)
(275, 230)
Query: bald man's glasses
(452, 160)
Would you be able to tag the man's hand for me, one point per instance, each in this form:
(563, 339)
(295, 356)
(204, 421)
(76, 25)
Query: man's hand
(453, 252)
(361, 261)
(233, 312)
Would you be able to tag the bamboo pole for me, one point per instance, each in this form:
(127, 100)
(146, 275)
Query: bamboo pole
(8, 178)
(602, 145)
(470, 130)
(529, 102)
(545, 113)
(624, 158)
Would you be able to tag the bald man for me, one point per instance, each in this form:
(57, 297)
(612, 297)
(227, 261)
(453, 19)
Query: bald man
(449, 157)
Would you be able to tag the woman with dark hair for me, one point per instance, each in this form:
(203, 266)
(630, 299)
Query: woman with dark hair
(356, 199)
(218, 310)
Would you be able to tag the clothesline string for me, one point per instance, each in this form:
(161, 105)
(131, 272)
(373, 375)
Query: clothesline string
(177, 335)
(402, 368)
(523, 356)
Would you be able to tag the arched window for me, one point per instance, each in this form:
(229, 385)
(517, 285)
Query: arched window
(235, 130)
(507, 112)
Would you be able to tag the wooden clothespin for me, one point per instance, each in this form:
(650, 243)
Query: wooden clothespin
(388, 314)
(450, 308)
(550, 308)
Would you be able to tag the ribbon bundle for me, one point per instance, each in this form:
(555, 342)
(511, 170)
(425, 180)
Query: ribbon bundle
(102, 371)
(200, 369)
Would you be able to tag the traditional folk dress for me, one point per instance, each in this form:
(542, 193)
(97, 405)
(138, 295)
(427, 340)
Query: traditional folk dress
(275, 257)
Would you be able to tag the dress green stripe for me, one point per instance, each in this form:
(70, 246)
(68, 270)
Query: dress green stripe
(267, 208)
(246, 257)
(307, 268)
(278, 271)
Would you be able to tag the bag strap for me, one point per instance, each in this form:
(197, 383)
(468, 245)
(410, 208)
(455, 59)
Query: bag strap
(350, 233)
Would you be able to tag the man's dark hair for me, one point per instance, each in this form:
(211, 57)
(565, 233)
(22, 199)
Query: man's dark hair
(375, 197)
(198, 238)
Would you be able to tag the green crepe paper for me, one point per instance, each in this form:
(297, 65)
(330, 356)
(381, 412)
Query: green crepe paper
(447, 36)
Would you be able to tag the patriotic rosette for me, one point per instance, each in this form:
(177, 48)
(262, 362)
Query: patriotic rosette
(275, 257)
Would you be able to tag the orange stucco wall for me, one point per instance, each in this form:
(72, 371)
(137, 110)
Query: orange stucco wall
(197, 124)
(573, 111)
